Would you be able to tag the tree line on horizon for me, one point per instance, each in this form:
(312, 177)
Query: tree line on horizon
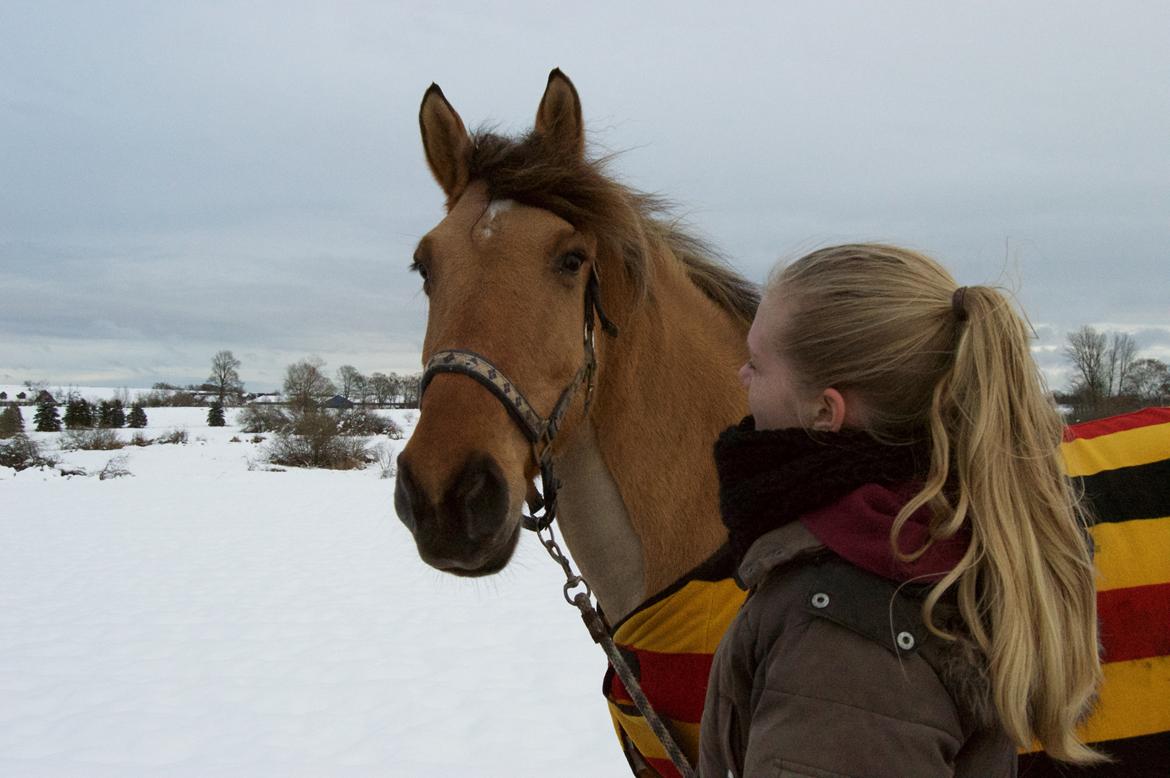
(303, 380)
(1109, 377)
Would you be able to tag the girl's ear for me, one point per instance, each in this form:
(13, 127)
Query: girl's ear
(831, 410)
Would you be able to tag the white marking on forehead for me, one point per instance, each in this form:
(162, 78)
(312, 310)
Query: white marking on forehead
(494, 209)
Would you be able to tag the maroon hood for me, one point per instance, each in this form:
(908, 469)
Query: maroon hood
(857, 528)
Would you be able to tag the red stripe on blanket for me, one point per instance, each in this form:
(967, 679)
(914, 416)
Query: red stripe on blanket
(1135, 622)
(675, 684)
(1112, 424)
(664, 767)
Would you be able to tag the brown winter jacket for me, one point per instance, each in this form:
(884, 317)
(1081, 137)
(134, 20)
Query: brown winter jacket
(828, 670)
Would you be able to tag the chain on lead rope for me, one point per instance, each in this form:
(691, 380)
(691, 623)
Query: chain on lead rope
(599, 631)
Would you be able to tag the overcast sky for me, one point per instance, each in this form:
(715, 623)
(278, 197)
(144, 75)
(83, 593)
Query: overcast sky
(180, 178)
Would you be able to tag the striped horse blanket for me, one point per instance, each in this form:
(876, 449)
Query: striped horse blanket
(1123, 465)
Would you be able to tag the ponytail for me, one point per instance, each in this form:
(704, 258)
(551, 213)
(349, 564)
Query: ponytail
(1026, 585)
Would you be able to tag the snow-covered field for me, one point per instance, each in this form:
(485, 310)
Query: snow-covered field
(206, 616)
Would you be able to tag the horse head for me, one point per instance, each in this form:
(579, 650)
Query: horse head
(507, 274)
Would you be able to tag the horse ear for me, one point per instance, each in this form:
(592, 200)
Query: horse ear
(447, 144)
(559, 115)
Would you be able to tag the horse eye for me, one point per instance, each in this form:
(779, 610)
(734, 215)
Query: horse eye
(571, 262)
(418, 267)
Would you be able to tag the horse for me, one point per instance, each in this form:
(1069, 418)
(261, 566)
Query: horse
(537, 243)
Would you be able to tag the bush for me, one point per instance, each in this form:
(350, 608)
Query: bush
(90, 440)
(387, 462)
(360, 421)
(174, 436)
(115, 468)
(22, 453)
(139, 439)
(263, 418)
(168, 398)
(315, 440)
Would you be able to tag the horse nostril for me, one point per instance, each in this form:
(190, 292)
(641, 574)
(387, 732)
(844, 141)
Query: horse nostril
(480, 497)
(405, 495)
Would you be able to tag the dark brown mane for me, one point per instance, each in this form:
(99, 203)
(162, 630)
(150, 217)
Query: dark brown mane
(627, 223)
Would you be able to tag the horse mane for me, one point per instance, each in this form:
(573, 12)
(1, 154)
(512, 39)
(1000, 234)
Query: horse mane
(627, 223)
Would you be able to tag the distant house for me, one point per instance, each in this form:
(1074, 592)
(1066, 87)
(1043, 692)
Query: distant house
(22, 396)
(3, 396)
(337, 402)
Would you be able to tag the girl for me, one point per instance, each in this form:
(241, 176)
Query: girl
(922, 599)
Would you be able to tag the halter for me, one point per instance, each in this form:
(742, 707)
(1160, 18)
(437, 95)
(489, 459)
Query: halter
(539, 431)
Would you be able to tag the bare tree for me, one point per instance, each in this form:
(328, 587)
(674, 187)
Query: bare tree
(1086, 350)
(409, 387)
(350, 381)
(1119, 359)
(381, 388)
(1148, 379)
(225, 376)
(305, 384)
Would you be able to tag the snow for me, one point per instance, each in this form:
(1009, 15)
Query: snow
(208, 616)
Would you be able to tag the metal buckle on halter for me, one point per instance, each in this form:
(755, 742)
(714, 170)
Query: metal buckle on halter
(546, 496)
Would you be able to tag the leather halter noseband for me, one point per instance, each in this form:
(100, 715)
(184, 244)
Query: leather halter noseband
(539, 431)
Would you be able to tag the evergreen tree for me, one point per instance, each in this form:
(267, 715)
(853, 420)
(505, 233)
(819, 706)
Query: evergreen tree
(78, 414)
(11, 422)
(47, 418)
(104, 411)
(215, 415)
(137, 418)
(117, 414)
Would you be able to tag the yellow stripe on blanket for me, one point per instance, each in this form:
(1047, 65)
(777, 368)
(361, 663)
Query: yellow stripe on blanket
(1128, 448)
(1133, 702)
(1132, 553)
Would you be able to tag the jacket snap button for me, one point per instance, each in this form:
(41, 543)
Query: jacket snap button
(820, 600)
(905, 641)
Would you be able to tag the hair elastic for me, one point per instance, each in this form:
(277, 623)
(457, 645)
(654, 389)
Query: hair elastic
(957, 303)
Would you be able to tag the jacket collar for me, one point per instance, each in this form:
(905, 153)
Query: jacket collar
(774, 549)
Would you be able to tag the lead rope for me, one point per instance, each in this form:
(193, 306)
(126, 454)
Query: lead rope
(599, 631)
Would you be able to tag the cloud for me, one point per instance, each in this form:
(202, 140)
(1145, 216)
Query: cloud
(185, 178)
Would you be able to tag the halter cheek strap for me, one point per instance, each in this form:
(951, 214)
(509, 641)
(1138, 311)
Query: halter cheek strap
(539, 431)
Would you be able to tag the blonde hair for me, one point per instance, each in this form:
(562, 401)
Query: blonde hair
(930, 363)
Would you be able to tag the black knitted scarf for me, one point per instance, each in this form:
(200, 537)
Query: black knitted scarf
(770, 478)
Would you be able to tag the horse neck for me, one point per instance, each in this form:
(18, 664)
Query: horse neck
(667, 386)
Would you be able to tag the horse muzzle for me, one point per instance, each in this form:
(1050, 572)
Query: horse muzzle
(469, 530)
